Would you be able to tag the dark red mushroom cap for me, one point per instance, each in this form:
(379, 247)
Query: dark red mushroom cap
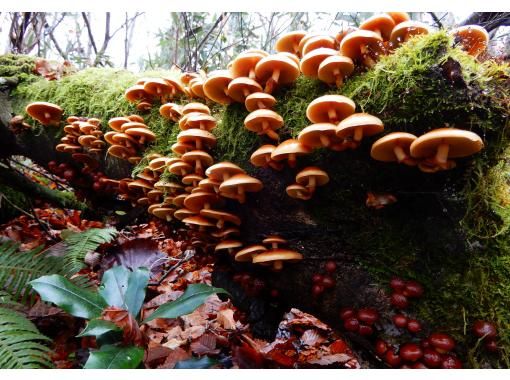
(484, 329)
(368, 315)
(411, 352)
(442, 342)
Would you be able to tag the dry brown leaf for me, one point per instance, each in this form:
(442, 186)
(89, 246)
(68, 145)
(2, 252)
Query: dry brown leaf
(175, 356)
(122, 318)
(226, 319)
(193, 332)
(312, 338)
(205, 345)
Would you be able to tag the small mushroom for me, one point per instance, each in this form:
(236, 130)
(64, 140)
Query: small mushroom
(184, 213)
(381, 24)
(321, 135)
(394, 147)
(248, 253)
(264, 121)
(199, 221)
(158, 164)
(289, 150)
(241, 87)
(143, 134)
(197, 88)
(311, 177)
(472, 38)
(199, 159)
(399, 17)
(180, 168)
(228, 245)
(221, 217)
(289, 42)
(115, 123)
(262, 158)
(222, 171)
(45, 113)
(298, 191)
(274, 240)
(317, 42)
(244, 64)
(275, 257)
(405, 30)
(170, 111)
(334, 69)
(227, 232)
(330, 109)
(192, 179)
(440, 144)
(195, 107)
(276, 69)
(136, 93)
(259, 100)
(209, 184)
(359, 125)
(310, 62)
(159, 88)
(200, 200)
(216, 85)
(198, 121)
(180, 148)
(198, 137)
(236, 187)
(364, 46)
(120, 151)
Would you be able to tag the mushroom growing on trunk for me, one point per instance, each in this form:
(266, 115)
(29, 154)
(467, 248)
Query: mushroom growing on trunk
(264, 121)
(394, 147)
(45, 113)
(357, 126)
(276, 69)
(364, 46)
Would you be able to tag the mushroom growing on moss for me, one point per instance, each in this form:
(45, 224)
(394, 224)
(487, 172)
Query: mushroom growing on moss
(472, 38)
(289, 150)
(394, 147)
(259, 100)
(405, 30)
(381, 24)
(357, 126)
(276, 69)
(334, 69)
(216, 85)
(45, 113)
(438, 145)
(240, 88)
(311, 62)
(264, 121)
(262, 157)
(289, 42)
(330, 109)
(236, 187)
(363, 46)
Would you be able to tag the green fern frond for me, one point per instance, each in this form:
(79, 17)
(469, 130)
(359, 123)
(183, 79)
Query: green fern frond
(18, 268)
(21, 344)
(79, 243)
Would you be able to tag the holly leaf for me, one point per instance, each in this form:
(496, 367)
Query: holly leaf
(136, 288)
(97, 327)
(114, 286)
(192, 298)
(69, 297)
(195, 363)
(109, 357)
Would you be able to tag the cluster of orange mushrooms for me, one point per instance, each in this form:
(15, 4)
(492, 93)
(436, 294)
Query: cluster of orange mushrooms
(251, 78)
(128, 138)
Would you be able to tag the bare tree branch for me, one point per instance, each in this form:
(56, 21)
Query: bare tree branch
(438, 22)
(489, 20)
(89, 31)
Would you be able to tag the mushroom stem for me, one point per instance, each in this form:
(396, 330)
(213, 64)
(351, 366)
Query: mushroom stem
(292, 160)
(272, 134)
(47, 115)
(251, 74)
(399, 153)
(325, 141)
(241, 194)
(198, 144)
(271, 82)
(277, 265)
(358, 134)
(333, 117)
(168, 217)
(261, 105)
(442, 155)
(339, 80)
(220, 224)
(198, 169)
(312, 183)
(142, 139)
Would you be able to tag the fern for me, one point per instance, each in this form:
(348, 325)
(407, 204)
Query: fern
(18, 268)
(79, 243)
(21, 343)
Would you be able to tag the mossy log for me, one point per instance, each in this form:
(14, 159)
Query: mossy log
(448, 230)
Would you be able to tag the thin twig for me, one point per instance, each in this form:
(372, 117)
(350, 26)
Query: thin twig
(186, 258)
(436, 20)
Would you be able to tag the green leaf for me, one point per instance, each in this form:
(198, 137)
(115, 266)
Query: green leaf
(193, 297)
(125, 289)
(110, 356)
(97, 327)
(136, 288)
(120, 212)
(195, 363)
(72, 299)
(114, 286)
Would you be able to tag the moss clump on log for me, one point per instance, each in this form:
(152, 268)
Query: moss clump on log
(20, 67)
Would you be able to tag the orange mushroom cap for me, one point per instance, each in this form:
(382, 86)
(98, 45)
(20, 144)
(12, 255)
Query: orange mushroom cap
(223, 171)
(289, 42)
(135, 93)
(116, 123)
(359, 125)
(381, 24)
(276, 256)
(394, 147)
(236, 186)
(316, 42)
(45, 113)
(195, 107)
(216, 85)
(276, 69)
(319, 135)
(289, 150)
(241, 87)
(259, 100)
(298, 191)
(405, 30)
(334, 69)
(198, 137)
(330, 109)
(362, 45)
(221, 217)
(399, 17)
(311, 177)
(264, 121)
(248, 253)
(310, 63)
(244, 64)
(472, 38)
(170, 111)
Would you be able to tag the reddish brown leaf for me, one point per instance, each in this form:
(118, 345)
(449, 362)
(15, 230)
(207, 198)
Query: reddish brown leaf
(122, 318)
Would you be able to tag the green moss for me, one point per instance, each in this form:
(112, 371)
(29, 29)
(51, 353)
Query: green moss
(17, 66)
